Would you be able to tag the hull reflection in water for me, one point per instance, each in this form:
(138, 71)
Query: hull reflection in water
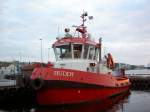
(89, 107)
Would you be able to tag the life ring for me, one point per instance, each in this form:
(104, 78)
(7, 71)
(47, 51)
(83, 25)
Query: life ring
(110, 62)
(37, 83)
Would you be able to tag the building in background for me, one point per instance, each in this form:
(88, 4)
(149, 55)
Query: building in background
(9, 68)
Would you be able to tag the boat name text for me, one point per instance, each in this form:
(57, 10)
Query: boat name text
(63, 73)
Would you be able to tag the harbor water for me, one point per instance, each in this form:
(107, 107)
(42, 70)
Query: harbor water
(135, 101)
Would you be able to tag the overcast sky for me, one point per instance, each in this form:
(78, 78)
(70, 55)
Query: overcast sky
(124, 26)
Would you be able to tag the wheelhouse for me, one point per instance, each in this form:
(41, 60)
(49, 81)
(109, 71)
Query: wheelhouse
(76, 51)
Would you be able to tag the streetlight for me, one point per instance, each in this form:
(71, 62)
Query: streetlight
(48, 53)
(41, 52)
(20, 57)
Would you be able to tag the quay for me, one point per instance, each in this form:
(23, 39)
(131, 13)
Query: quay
(140, 82)
(140, 79)
(14, 92)
(15, 85)
(7, 83)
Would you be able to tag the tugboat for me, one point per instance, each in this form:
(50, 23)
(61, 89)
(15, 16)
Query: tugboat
(80, 74)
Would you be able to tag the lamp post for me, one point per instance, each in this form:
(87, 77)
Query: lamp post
(41, 52)
(48, 53)
(20, 57)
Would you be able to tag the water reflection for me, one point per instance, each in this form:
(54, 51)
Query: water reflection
(89, 107)
(136, 101)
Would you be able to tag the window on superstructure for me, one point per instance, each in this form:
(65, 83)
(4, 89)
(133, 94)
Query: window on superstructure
(85, 54)
(63, 51)
(77, 50)
(91, 52)
(96, 55)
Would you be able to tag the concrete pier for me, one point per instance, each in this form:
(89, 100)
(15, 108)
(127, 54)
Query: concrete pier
(14, 92)
(140, 78)
(140, 82)
(7, 83)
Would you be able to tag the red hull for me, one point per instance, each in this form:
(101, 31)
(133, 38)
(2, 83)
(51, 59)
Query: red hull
(76, 87)
(60, 96)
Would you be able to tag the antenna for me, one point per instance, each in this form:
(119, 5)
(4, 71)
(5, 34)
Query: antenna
(83, 16)
(82, 28)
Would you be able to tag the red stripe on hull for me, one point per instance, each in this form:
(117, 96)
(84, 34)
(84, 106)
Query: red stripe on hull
(60, 96)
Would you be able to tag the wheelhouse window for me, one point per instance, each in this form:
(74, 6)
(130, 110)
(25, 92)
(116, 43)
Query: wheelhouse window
(96, 56)
(63, 51)
(77, 50)
(86, 49)
(91, 52)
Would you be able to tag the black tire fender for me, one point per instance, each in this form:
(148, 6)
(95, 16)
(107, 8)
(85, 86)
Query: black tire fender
(37, 83)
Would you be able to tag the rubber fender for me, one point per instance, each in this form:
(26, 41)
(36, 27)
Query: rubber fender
(37, 83)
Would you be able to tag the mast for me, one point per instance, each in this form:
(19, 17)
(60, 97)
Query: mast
(83, 18)
(82, 27)
(100, 49)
